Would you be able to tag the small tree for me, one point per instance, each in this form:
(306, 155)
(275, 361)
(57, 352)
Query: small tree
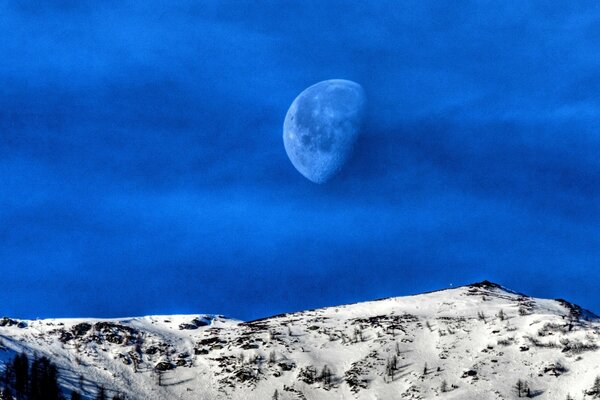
(521, 387)
(159, 370)
(444, 386)
(276, 395)
(358, 334)
(481, 316)
(501, 315)
(390, 368)
(326, 376)
(75, 395)
(596, 387)
(523, 311)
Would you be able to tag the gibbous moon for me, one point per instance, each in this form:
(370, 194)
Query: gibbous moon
(321, 127)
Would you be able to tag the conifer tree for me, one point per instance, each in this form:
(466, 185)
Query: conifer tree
(43, 381)
(21, 375)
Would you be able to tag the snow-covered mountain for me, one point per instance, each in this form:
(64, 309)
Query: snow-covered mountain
(471, 342)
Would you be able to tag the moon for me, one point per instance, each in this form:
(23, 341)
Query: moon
(321, 127)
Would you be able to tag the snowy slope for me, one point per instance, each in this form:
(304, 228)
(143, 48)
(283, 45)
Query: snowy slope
(478, 339)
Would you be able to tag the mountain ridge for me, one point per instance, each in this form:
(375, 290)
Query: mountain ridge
(455, 343)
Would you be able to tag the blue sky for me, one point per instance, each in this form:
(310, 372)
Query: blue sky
(142, 168)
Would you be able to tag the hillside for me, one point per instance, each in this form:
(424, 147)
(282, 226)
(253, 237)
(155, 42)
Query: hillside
(471, 342)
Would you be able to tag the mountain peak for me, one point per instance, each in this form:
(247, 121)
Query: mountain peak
(487, 285)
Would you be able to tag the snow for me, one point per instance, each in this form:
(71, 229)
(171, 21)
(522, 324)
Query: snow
(479, 339)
